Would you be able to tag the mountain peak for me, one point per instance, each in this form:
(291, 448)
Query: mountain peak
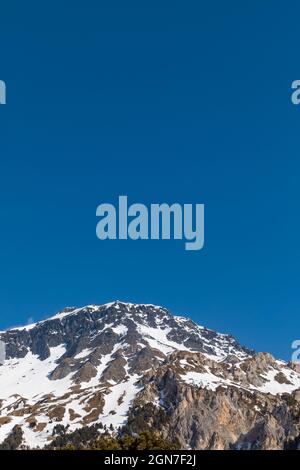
(98, 363)
(118, 303)
(68, 311)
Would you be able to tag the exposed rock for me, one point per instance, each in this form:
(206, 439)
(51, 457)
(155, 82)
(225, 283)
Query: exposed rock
(138, 366)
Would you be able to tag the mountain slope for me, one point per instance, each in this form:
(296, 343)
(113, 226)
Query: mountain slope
(131, 365)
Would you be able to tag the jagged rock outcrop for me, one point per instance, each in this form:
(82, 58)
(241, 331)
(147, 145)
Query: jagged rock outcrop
(133, 367)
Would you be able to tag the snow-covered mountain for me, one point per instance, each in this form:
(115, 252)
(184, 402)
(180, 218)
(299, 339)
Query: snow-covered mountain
(129, 365)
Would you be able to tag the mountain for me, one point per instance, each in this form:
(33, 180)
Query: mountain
(135, 367)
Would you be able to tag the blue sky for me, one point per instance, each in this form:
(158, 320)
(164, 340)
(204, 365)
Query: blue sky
(163, 102)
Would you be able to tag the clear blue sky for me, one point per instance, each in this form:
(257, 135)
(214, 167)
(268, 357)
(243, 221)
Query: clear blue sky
(165, 102)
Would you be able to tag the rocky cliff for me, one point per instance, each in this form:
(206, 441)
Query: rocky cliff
(132, 367)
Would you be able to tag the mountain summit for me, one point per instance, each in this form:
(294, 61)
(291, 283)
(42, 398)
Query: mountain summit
(134, 366)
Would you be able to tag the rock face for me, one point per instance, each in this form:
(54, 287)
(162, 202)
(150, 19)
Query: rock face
(132, 367)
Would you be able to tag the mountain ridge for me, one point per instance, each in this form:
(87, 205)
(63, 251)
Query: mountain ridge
(102, 363)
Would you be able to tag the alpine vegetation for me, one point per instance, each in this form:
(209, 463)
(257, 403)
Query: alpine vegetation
(160, 221)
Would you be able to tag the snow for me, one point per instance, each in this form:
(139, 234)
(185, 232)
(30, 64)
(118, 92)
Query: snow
(5, 429)
(24, 328)
(58, 316)
(25, 381)
(184, 362)
(118, 303)
(105, 360)
(273, 387)
(211, 381)
(204, 380)
(157, 338)
(120, 330)
(84, 353)
(32, 438)
(126, 392)
(67, 312)
(64, 314)
(28, 376)
(154, 344)
(183, 320)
